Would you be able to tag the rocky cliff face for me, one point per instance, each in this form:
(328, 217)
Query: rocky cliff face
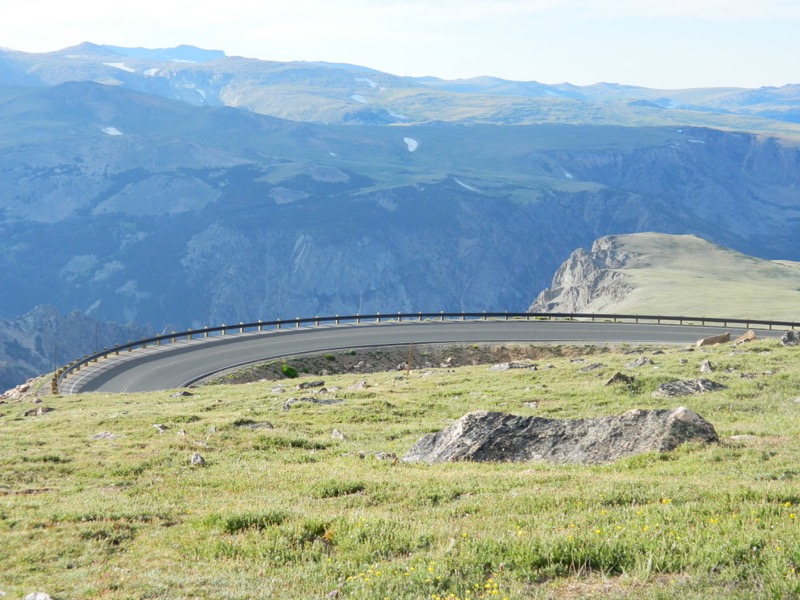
(588, 281)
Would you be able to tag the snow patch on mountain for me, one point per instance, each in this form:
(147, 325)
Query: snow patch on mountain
(411, 143)
(358, 98)
(120, 66)
(111, 131)
(464, 185)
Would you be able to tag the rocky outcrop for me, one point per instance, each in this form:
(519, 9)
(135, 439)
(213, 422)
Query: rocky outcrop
(491, 436)
(687, 387)
(586, 277)
(713, 340)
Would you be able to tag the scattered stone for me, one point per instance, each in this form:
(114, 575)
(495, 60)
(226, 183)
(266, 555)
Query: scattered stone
(706, 366)
(742, 438)
(657, 352)
(105, 435)
(212, 429)
(36, 400)
(386, 456)
(38, 412)
(338, 435)
(620, 378)
(181, 394)
(492, 436)
(532, 404)
(309, 384)
(640, 362)
(278, 389)
(38, 596)
(197, 460)
(591, 367)
(791, 338)
(684, 361)
(160, 428)
(17, 393)
(181, 432)
(673, 389)
(747, 375)
(747, 336)
(247, 424)
(292, 401)
(506, 366)
(713, 340)
(360, 385)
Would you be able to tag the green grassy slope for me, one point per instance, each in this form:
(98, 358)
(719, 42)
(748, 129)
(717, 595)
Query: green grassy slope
(291, 512)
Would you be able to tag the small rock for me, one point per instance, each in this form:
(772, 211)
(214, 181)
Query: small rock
(706, 366)
(713, 340)
(198, 460)
(386, 456)
(591, 367)
(657, 352)
(181, 432)
(532, 404)
(684, 361)
(640, 362)
(38, 412)
(105, 435)
(181, 393)
(161, 428)
(278, 389)
(309, 384)
(38, 596)
(620, 378)
(673, 389)
(360, 385)
(791, 338)
(747, 336)
(338, 435)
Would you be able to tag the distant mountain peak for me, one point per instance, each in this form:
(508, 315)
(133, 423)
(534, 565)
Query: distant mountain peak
(181, 53)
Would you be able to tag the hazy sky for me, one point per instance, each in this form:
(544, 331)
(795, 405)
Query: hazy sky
(653, 43)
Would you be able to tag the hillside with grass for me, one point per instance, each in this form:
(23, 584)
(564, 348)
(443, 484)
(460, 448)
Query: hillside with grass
(659, 274)
(99, 497)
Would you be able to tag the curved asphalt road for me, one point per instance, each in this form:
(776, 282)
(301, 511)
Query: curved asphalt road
(186, 362)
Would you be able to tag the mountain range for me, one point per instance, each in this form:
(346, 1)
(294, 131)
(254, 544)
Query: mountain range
(177, 188)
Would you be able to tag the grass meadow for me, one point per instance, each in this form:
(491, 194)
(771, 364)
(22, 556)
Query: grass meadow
(294, 512)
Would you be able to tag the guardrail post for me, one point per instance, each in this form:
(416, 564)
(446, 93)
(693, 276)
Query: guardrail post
(338, 320)
(130, 348)
(316, 323)
(463, 317)
(205, 331)
(297, 322)
(224, 329)
(484, 315)
(378, 317)
(144, 345)
(260, 327)
(241, 329)
(174, 338)
(506, 315)
(189, 335)
(116, 349)
(441, 312)
(278, 325)
(358, 318)
(399, 318)
(419, 317)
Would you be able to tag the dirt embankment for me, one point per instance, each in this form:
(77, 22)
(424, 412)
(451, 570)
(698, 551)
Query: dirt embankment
(395, 358)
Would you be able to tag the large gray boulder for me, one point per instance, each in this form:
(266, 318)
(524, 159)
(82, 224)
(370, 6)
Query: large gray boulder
(483, 436)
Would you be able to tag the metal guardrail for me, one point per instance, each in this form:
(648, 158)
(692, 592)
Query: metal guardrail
(316, 321)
